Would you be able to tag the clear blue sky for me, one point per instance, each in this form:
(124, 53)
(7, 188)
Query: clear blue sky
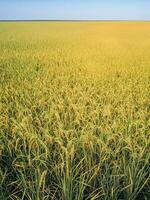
(74, 9)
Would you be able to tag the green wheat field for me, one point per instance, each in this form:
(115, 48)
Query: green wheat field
(74, 110)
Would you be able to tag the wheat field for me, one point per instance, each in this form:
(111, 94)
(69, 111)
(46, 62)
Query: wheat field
(75, 110)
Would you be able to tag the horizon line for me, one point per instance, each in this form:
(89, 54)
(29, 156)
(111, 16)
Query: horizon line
(73, 20)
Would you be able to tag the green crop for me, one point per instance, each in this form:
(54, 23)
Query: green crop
(75, 110)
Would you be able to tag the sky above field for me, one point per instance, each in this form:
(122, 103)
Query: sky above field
(75, 9)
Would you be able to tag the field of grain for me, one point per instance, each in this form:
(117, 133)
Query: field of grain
(75, 110)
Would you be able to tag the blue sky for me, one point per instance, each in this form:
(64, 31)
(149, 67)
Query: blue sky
(75, 9)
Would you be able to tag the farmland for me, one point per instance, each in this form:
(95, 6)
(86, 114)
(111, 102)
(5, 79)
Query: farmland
(75, 110)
